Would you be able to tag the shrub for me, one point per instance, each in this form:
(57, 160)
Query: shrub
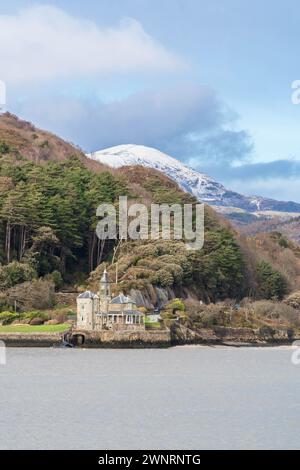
(56, 278)
(71, 313)
(143, 310)
(36, 314)
(175, 304)
(164, 278)
(193, 306)
(61, 317)
(8, 317)
(4, 148)
(168, 318)
(32, 295)
(4, 306)
(293, 300)
(272, 284)
(211, 315)
(15, 273)
(270, 310)
(263, 308)
(45, 144)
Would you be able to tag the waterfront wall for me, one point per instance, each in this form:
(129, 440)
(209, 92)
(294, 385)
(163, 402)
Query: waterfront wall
(120, 339)
(223, 335)
(39, 340)
(259, 335)
(152, 339)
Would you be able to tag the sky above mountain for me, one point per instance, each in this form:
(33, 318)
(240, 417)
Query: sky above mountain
(208, 82)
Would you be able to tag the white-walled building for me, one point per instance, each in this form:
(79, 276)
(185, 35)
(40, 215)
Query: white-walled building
(96, 312)
(87, 307)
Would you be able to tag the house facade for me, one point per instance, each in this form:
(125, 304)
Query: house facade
(102, 311)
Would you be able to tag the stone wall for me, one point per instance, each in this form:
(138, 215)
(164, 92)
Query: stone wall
(151, 338)
(119, 339)
(181, 335)
(223, 335)
(32, 339)
(259, 335)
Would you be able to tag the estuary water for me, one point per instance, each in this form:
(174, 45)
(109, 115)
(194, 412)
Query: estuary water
(177, 398)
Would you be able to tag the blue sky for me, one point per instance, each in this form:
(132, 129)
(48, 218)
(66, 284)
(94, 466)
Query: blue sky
(207, 81)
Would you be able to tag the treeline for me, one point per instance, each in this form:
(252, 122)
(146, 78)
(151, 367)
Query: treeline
(47, 228)
(48, 214)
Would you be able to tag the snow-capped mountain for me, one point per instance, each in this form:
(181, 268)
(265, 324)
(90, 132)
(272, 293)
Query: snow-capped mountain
(203, 187)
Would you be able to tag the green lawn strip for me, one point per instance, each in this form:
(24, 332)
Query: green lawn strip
(34, 328)
(152, 325)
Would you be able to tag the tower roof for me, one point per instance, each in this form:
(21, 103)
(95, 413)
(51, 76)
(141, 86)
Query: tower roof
(104, 277)
(88, 295)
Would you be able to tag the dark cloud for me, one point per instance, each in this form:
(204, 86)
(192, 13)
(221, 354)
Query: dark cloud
(279, 179)
(277, 169)
(221, 148)
(188, 122)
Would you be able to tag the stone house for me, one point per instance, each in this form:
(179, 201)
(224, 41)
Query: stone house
(101, 311)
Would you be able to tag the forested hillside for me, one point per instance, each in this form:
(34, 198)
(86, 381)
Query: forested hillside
(48, 219)
(23, 140)
(290, 228)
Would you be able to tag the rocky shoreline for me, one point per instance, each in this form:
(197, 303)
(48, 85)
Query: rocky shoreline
(237, 336)
(153, 339)
(30, 340)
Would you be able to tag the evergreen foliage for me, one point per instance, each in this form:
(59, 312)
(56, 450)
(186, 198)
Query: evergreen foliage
(47, 229)
(272, 284)
(48, 214)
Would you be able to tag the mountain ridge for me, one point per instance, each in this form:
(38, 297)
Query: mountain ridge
(49, 199)
(200, 185)
(23, 139)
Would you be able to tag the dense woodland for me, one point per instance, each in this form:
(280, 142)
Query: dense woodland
(48, 220)
(48, 213)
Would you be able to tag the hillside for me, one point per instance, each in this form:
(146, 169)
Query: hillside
(289, 228)
(47, 232)
(22, 139)
(200, 185)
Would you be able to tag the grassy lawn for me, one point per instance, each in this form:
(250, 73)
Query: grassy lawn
(152, 325)
(34, 328)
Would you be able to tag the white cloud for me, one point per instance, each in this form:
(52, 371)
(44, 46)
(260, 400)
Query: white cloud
(178, 120)
(44, 43)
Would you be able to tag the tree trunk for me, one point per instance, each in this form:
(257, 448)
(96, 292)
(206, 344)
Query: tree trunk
(102, 245)
(7, 241)
(92, 240)
(63, 262)
(23, 242)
